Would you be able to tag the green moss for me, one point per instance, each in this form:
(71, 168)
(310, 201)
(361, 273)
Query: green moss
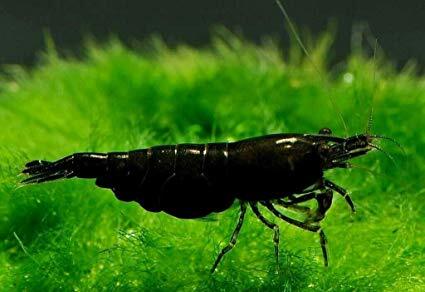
(70, 235)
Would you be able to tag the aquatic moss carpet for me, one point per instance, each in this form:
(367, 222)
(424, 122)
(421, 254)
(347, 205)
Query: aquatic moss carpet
(73, 236)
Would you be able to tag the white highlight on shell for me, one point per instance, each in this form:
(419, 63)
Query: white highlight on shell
(286, 140)
(93, 156)
(194, 151)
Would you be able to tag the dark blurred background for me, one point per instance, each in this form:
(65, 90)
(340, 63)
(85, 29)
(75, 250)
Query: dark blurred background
(399, 26)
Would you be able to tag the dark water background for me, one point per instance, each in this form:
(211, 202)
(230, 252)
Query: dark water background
(398, 25)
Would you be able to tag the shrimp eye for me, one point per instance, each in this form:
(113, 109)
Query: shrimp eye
(325, 131)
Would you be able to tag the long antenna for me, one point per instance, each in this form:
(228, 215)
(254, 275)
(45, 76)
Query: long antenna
(370, 119)
(303, 47)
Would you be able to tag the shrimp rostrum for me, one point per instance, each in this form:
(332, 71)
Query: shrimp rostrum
(279, 171)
